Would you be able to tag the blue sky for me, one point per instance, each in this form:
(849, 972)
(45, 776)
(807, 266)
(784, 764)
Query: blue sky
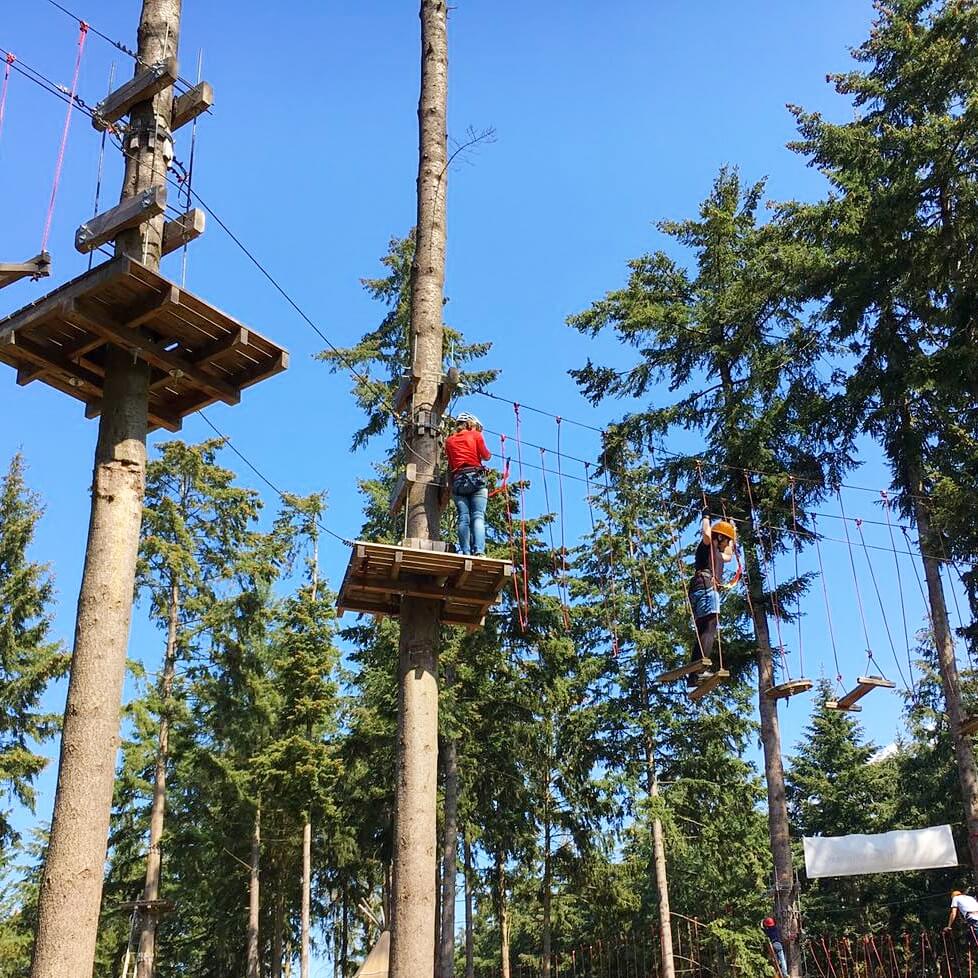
(608, 117)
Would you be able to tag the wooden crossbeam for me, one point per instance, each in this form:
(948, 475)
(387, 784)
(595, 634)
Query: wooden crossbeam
(48, 361)
(191, 104)
(864, 685)
(235, 341)
(183, 229)
(700, 665)
(130, 213)
(791, 688)
(158, 419)
(74, 354)
(141, 88)
(709, 684)
(38, 267)
(139, 342)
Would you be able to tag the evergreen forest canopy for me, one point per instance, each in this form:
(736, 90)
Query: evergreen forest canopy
(788, 335)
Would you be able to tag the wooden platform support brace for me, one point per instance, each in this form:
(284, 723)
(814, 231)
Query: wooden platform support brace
(864, 685)
(38, 267)
(191, 104)
(788, 689)
(144, 86)
(183, 229)
(132, 212)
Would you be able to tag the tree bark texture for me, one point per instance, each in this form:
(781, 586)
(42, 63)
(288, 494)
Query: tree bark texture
(777, 804)
(306, 893)
(502, 909)
(71, 885)
(254, 899)
(415, 831)
(469, 923)
(947, 664)
(449, 861)
(145, 962)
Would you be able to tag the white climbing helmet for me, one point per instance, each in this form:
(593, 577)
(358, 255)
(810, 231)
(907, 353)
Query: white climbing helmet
(466, 418)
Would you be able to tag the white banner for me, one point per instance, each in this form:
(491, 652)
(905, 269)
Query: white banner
(888, 852)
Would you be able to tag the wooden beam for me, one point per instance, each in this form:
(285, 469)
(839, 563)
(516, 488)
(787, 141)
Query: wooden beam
(183, 229)
(235, 341)
(157, 419)
(790, 688)
(38, 267)
(143, 87)
(76, 376)
(709, 684)
(144, 346)
(191, 104)
(864, 685)
(130, 213)
(74, 353)
(149, 308)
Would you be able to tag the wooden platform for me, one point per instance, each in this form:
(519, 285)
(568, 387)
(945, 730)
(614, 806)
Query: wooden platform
(791, 688)
(197, 354)
(700, 665)
(37, 267)
(864, 685)
(380, 574)
(709, 684)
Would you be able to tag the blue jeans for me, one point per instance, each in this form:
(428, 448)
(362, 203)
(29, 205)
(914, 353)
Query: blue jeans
(780, 955)
(472, 521)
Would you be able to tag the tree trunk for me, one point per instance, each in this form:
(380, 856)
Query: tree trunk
(306, 894)
(254, 899)
(545, 928)
(146, 960)
(777, 805)
(503, 912)
(71, 884)
(449, 855)
(944, 646)
(469, 931)
(415, 834)
(278, 934)
(345, 933)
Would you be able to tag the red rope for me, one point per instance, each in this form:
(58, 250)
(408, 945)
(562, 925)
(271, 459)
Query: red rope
(82, 34)
(519, 460)
(560, 494)
(3, 90)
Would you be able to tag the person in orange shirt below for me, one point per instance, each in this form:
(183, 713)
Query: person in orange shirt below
(466, 451)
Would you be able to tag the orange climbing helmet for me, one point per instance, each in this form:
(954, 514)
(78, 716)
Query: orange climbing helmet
(723, 528)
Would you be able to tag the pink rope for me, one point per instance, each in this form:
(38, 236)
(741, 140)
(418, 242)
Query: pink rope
(82, 34)
(3, 90)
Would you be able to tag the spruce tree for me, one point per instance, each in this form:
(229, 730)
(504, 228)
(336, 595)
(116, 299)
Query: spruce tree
(29, 659)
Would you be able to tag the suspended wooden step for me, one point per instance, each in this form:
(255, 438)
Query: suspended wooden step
(700, 665)
(708, 684)
(197, 354)
(380, 574)
(790, 688)
(968, 726)
(38, 267)
(864, 685)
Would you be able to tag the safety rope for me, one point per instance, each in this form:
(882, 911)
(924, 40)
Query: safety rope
(560, 500)
(855, 580)
(903, 606)
(713, 570)
(512, 537)
(558, 577)
(879, 599)
(82, 34)
(766, 559)
(609, 617)
(522, 486)
(828, 606)
(794, 525)
(10, 59)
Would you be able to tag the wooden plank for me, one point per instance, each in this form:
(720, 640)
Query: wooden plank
(238, 339)
(834, 705)
(700, 665)
(709, 684)
(396, 569)
(76, 376)
(143, 345)
(403, 393)
(146, 310)
(183, 229)
(37, 267)
(464, 574)
(156, 418)
(864, 685)
(129, 213)
(141, 88)
(191, 104)
(791, 688)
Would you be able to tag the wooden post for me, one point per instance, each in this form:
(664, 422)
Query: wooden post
(71, 885)
(415, 833)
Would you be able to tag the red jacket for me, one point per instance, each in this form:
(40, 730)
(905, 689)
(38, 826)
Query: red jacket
(466, 449)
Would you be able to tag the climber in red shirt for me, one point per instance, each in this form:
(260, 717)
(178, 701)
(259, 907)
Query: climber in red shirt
(466, 451)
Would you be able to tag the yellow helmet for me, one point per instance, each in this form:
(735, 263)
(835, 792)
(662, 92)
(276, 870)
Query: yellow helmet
(723, 528)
